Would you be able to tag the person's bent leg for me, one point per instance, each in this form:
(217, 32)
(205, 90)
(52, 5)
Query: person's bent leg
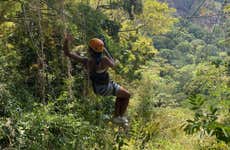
(124, 97)
(123, 106)
(117, 107)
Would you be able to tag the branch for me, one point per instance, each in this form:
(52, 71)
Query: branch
(213, 15)
(136, 29)
(112, 6)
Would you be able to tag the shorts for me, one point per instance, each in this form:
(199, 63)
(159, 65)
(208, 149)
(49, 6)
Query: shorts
(109, 89)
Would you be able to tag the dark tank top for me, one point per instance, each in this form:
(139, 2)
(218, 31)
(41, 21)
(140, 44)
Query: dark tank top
(100, 77)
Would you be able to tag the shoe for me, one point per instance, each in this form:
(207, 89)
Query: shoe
(118, 120)
(124, 119)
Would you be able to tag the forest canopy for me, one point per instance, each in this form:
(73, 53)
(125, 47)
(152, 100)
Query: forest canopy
(172, 56)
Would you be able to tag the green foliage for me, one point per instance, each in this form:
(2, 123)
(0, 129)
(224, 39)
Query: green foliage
(197, 31)
(205, 100)
(153, 10)
(227, 8)
(184, 47)
(133, 7)
(205, 121)
(45, 102)
(89, 23)
(163, 42)
(52, 130)
(112, 28)
(196, 102)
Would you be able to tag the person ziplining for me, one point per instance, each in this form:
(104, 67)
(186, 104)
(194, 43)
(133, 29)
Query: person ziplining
(98, 63)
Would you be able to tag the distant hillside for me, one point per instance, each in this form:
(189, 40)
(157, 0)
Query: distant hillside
(188, 7)
(183, 6)
(209, 8)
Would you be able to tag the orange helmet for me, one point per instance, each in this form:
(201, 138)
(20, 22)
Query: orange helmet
(97, 45)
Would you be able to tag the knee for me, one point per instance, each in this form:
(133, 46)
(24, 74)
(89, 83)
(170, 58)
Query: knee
(123, 94)
(127, 95)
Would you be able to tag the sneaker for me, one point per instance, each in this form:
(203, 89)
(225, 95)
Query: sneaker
(118, 120)
(124, 119)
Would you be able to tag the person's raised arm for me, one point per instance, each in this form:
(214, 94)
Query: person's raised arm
(75, 56)
(109, 59)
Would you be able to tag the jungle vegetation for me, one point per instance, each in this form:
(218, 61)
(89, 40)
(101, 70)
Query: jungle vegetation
(173, 56)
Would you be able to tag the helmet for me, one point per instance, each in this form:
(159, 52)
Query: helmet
(97, 45)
